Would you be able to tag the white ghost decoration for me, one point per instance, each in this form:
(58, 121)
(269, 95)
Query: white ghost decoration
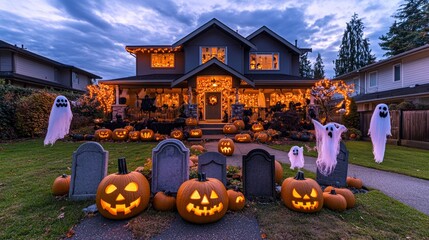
(59, 120)
(379, 129)
(296, 157)
(328, 139)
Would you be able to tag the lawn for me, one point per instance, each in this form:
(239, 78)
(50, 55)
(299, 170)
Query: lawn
(404, 160)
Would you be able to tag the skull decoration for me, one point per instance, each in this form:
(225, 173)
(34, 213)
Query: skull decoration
(120, 134)
(226, 146)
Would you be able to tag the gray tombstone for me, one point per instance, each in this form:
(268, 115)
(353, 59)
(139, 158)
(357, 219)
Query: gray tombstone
(170, 166)
(214, 165)
(338, 177)
(89, 167)
(258, 175)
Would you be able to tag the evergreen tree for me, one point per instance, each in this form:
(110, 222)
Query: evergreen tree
(354, 51)
(410, 29)
(319, 72)
(305, 66)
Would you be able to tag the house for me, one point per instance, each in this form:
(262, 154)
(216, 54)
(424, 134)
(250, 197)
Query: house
(404, 77)
(21, 67)
(214, 73)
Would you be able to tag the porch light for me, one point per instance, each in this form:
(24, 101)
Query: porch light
(214, 84)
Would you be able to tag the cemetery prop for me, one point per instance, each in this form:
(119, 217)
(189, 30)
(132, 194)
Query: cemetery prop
(338, 177)
(61, 185)
(124, 194)
(214, 165)
(236, 200)
(296, 157)
(120, 134)
(328, 139)
(164, 201)
(103, 134)
(334, 201)
(354, 182)
(59, 120)
(202, 200)
(225, 146)
(379, 129)
(278, 177)
(346, 193)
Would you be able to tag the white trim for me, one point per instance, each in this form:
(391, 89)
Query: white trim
(400, 72)
(369, 79)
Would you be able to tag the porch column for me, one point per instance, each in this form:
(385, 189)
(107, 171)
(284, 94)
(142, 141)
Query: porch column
(117, 94)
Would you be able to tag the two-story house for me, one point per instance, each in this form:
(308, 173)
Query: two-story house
(215, 68)
(21, 67)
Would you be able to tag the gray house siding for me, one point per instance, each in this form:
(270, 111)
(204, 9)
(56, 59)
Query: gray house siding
(80, 81)
(6, 62)
(28, 67)
(143, 64)
(416, 69)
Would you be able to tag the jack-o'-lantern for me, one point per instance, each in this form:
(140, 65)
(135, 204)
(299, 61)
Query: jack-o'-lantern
(177, 134)
(134, 135)
(129, 128)
(225, 146)
(262, 137)
(346, 193)
(278, 172)
(257, 127)
(120, 134)
(158, 137)
(146, 134)
(199, 148)
(302, 194)
(122, 195)
(236, 200)
(239, 124)
(243, 138)
(61, 185)
(103, 134)
(354, 182)
(196, 133)
(164, 201)
(202, 200)
(334, 201)
(229, 129)
(191, 122)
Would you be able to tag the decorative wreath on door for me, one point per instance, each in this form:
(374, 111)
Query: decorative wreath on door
(213, 100)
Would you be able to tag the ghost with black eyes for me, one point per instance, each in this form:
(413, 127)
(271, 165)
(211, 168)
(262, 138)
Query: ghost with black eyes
(379, 129)
(59, 120)
(328, 139)
(296, 157)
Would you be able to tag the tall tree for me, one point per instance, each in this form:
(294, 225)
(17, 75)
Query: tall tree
(354, 51)
(305, 66)
(319, 72)
(410, 29)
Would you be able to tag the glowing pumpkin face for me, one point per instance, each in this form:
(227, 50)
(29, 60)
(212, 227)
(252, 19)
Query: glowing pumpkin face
(191, 122)
(177, 134)
(243, 138)
(257, 127)
(134, 135)
(120, 134)
(226, 146)
(146, 134)
(236, 200)
(103, 134)
(229, 128)
(196, 133)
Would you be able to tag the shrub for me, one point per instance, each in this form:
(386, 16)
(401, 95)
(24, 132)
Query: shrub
(352, 120)
(406, 106)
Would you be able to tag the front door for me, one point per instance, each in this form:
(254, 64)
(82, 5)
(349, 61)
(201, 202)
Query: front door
(213, 102)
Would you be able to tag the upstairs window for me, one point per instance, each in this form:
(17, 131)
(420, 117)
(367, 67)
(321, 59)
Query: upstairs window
(397, 72)
(264, 61)
(208, 53)
(373, 79)
(162, 60)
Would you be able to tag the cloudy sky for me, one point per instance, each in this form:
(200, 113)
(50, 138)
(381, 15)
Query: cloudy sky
(92, 35)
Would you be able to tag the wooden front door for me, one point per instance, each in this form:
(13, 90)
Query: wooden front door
(213, 106)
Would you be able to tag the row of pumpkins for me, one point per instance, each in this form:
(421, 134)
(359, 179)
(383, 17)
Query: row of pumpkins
(128, 133)
(202, 200)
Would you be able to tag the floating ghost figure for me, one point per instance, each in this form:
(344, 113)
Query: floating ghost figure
(328, 139)
(379, 129)
(59, 120)
(296, 157)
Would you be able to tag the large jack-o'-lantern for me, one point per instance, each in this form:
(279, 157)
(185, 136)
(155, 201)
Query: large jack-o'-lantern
(122, 195)
(177, 134)
(243, 138)
(229, 129)
(226, 146)
(120, 134)
(103, 134)
(202, 200)
(146, 134)
(134, 135)
(196, 133)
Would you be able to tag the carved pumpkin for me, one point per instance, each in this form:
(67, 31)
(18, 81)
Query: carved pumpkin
(103, 134)
(198, 148)
(262, 137)
(236, 200)
(159, 137)
(346, 193)
(334, 201)
(225, 146)
(129, 128)
(202, 200)
(194, 159)
(122, 195)
(61, 185)
(243, 138)
(146, 134)
(164, 201)
(177, 134)
(120, 134)
(134, 135)
(302, 194)
(229, 129)
(354, 182)
(278, 172)
(196, 133)
(257, 127)
(239, 124)
(191, 122)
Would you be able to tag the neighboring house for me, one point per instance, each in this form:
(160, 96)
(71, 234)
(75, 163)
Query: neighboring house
(21, 67)
(404, 77)
(210, 68)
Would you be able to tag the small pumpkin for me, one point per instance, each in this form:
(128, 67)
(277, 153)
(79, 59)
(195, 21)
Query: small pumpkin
(198, 148)
(346, 193)
(194, 159)
(196, 133)
(257, 127)
(278, 172)
(191, 122)
(236, 200)
(164, 201)
(262, 137)
(129, 128)
(334, 201)
(239, 124)
(243, 138)
(134, 135)
(61, 185)
(159, 137)
(229, 129)
(103, 134)
(120, 134)
(146, 134)
(354, 182)
(177, 134)
(226, 146)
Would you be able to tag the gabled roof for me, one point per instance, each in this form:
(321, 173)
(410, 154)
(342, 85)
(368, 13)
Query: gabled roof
(212, 62)
(214, 23)
(278, 38)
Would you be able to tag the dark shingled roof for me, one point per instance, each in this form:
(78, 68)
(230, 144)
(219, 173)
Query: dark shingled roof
(393, 94)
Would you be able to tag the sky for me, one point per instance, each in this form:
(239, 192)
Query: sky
(92, 35)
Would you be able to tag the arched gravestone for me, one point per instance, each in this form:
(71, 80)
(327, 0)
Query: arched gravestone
(170, 166)
(258, 175)
(214, 165)
(338, 177)
(89, 167)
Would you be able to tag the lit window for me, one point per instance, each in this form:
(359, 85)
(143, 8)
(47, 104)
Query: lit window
(373, 79)
(264, 61)
(397, 72)
(162, 60)
(208, 53)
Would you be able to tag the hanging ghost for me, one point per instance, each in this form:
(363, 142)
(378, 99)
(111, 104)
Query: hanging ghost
(379, 129)
(328, 139)
(59, 120)
(296, 157)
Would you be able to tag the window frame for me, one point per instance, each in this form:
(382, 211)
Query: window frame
(163, 67)
(369, 79)
(265, 53)
(213, 46)
(400, 72)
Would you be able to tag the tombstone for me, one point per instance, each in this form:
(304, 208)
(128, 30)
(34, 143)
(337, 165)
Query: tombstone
(258, 175)
(89, 167)
(338, 177)
(170, 166)
(214, 165)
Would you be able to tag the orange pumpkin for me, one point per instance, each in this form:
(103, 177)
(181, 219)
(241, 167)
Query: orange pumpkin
(229, 129)
(346, 193)
(191, 122)
(262, 137)
(239, 124)
(146, 134)
(164, 201)
(334, 201)
(194, 159)
(278, 176)
(177, 134)
(103, 134)
(354, 182)
(120, 134)
(61, 185)
(134, 135)
(236, 200)
(159, 137)
(198, 148)
(225, 146)
(196, 133)
(257, 127)
(129, 128)
(243, 138)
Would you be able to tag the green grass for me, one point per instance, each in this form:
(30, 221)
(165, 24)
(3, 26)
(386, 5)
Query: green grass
(404, 160)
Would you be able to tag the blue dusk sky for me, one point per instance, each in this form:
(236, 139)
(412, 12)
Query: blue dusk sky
(92, 35)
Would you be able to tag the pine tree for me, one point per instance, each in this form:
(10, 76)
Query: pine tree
(305, 66)
(319, 72)
(354, 51)
(410, 29)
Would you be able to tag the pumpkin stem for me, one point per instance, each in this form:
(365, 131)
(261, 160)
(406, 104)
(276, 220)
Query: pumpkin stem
(202, 177)
(122, 166)
(64, 175)
(333, 192)
(299, 175)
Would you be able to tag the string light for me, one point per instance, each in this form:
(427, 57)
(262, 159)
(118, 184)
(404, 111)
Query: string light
(104, 94)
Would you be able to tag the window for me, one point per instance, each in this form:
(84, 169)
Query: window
(162, 60)
(372, 79)
(208, 53)
(357, 86)
(397, 72)
(264, 61)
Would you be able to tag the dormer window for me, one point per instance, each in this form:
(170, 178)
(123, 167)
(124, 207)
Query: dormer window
(264, 61)
(209, 52)
(162, 60)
